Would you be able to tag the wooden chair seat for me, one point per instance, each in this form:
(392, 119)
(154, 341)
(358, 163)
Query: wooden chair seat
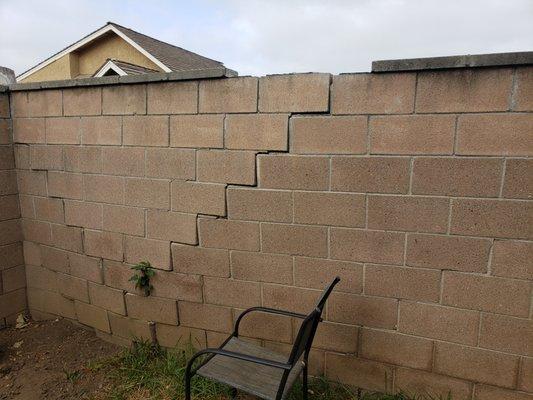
(259, 380)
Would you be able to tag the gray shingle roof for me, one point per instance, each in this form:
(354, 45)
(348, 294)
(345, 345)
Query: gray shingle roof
(132, 69)
(175, 58)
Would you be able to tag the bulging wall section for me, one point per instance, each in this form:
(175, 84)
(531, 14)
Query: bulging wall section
(414, 188)
(12, 278)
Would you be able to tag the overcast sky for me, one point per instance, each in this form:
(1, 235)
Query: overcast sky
(261, 37)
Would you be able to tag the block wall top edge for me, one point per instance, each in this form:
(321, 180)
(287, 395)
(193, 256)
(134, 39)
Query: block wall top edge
(448, 62)
(400, 65)
(112, 80)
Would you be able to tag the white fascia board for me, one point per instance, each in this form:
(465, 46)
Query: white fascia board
(141, 50)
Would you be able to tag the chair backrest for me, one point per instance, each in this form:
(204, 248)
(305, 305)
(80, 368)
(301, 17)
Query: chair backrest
(323, 298)
(307, 330)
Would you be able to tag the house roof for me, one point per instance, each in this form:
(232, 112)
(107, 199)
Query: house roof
(122, 68)
(166, 56)
(175, 58)
(132, 69)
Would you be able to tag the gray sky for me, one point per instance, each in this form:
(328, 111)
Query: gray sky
(260, 37)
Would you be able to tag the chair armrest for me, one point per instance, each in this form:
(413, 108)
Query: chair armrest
(268, 311)
(239, 356)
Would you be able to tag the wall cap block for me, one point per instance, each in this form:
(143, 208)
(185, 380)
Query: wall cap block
(464, 61)
(110, 80)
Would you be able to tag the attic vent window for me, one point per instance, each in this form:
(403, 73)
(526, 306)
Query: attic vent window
(110, 68)
(111, 72)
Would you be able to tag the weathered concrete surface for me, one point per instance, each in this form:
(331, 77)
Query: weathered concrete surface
(110, 80)
(7, 76)
(465, 61)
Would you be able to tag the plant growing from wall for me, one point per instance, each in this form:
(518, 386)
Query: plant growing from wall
(142, 275)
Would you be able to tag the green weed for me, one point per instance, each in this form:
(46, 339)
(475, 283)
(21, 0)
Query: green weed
(141, 278)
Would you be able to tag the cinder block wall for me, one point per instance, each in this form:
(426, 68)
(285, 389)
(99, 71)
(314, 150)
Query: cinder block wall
(415, 188)
(12, 278)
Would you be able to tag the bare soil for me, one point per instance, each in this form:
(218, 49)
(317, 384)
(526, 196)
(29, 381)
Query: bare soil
(48, 361)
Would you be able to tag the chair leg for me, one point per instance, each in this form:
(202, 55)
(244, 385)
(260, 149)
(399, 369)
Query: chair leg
(304, 386)
(187, 386)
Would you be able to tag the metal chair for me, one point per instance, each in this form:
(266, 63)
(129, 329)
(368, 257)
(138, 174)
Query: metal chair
(255, 370)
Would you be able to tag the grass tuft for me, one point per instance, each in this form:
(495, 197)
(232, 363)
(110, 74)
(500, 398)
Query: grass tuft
(150, 372)
(72, 376)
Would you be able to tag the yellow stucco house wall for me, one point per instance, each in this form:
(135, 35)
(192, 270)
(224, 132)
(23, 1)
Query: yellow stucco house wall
(92, 58)
(59, 69)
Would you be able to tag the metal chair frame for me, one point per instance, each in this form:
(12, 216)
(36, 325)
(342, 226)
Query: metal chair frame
(301, 347)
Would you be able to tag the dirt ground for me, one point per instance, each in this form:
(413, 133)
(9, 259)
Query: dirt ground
(47, 361)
